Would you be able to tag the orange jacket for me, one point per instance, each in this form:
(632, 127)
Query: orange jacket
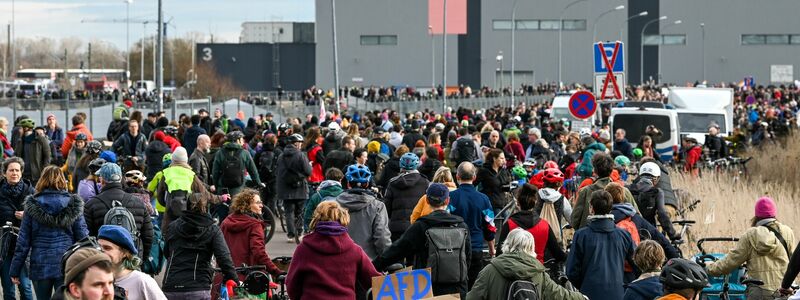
(70, 138)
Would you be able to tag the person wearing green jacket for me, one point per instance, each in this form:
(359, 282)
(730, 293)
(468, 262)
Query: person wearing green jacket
(328, 190)
(224, 178)
(518, 262)
(603, 165)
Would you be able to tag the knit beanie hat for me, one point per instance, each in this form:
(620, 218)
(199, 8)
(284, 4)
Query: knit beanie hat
(765, 208)
(81, 260)
(180, 155)
(374, 147)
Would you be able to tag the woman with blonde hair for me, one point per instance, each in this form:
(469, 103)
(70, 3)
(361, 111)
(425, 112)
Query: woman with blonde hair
(52, 221)
(443, 176)
(347, 269)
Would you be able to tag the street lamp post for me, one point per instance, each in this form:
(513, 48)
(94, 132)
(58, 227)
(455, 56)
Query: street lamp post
(560, 30)
(641, 48)
(594, 26)
(444, 57)
(141, 70)
(624, 24)
(433, 59)
(513, 35)
(159, 74)
(661, 43)
(13, 44)
(500, 61)
(128, 39)
(335, 57)
(703, 49)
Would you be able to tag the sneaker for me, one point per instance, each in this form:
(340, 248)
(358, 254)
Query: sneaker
(290, 239)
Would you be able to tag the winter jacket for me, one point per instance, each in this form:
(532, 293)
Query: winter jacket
(116, 128)
(546, 245)
(401, 196)
(494, 279)
(52, 222)
(292, 160)
(478, 154)
(332, 142)
(247, 165)
(316, 155)
(561, 204)
(88, 189)
(339, 159)
(624, 210)
(11, 200)
(327, 189)
(491, 184)
(35, 150)
(414, 241)
(423, 208)
(190, 137)
(516, 149)
(475, 209)
(429, 167)
(693, 156)
(127, 145)
(650, 200)
(244, 234)
(98, 206)
(191, 241)
(154, 153)
(70, 137)
(765, 256)
(200, 167)
(410, 139)
(346, 266)
(647, 288)
(369, 222)
(581, 211)
(56, 137)
(597, 254)
(625, 147)
(171, 142)
(585, 168)
(391, 168)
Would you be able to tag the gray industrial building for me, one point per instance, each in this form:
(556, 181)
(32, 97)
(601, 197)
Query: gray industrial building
(262, 66)
(387, 42)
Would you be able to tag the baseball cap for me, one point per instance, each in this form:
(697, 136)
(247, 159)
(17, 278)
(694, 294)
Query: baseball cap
(110, 172)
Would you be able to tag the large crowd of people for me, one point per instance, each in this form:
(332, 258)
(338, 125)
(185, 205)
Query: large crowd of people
(493, 200)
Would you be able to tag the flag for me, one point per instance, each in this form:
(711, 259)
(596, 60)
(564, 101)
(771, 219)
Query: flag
(322, 112)
(456, 16)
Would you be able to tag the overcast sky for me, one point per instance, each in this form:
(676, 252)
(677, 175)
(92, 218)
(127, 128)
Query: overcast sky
(222, 18)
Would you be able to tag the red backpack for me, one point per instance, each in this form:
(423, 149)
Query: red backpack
(628, 225)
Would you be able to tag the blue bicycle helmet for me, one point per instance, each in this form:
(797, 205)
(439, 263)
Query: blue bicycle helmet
(358, 174)
(409, 161)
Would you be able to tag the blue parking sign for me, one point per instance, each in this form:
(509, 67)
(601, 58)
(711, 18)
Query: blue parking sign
(599, 63)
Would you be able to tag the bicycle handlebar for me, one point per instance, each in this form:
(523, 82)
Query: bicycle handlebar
(714, 239)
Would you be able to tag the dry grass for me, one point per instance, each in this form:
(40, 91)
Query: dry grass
(726, 206)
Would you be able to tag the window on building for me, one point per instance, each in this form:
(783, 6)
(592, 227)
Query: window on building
(674, 39)
(527, 25)
(650, 40)
(795, 39)
(501, 24)
(372, 40)
(770, 39)
(574, 24)
(539, 24)
(777, 39)
(549, 24)
(753, 39)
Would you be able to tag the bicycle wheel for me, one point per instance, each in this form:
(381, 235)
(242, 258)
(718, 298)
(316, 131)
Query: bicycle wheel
(269, 225)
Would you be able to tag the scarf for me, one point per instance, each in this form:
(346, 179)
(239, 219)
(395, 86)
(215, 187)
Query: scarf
(13, 191)
(330, 228)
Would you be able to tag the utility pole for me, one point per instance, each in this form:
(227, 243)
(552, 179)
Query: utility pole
(444, 57)
(7, 60)
(12, 43)
(66, 80)
(335, 58)
(160, 61)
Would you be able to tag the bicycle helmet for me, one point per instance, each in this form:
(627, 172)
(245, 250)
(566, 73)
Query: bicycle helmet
(622, 161)
(81, 137)
(234, 136)
(94, 147)
(120, 113)
(519, 172)
(358, 174)
(650, 168)
(681, 273)
(26, 123)
(409, 161)
(171, 130)
(283, 128)
(96, 164)
(550, 164)
(553, 175)
(135, 176)
(295, 138)
(166, 160)
(637, 153)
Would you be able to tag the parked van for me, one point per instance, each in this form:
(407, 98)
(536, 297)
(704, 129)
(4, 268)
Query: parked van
(699, 108)
(635, 120)
(560, 111)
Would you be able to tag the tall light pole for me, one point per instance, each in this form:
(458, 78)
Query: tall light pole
(500, 61)
(13, 43)
(444, 57)
(128, 40)
(703, 49)
(625, 24)
(433, 59)
(661, 43)
(641, 48)
(560, 30)
(513, 34)
(144, 31)
(594, 26)
(335, 58)
(160, 61)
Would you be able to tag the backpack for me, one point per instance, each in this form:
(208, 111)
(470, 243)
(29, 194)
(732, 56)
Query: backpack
(268, 161)
(465, 151)
(232, 175)
(628, 225)
(646, 200)
(117, 214)
(155, 261)
(447, 256)
(175, 202)
(522, 290)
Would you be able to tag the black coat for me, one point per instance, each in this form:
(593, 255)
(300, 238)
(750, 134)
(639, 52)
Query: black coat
(402, 195)
(292, 160)
(491, 184)
(11, 203)
(429, 167)
(191, 241)
(339, 159)
(154, 153)
(97, 207)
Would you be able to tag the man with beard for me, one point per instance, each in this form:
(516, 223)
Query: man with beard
(88, 275)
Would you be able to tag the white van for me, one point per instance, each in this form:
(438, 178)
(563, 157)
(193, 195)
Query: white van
(636, 120)
(698, 108)
(560, 111)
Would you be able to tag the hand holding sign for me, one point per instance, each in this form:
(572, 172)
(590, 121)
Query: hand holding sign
(404, 285)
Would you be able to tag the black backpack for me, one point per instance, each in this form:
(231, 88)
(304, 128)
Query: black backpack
(465, 151)
(522, 290)
(175, 202)
(646, 199)
(267, 163)
(447, 255)
(232, 175)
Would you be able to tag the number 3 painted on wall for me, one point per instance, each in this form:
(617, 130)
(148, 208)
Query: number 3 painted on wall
(207, 54)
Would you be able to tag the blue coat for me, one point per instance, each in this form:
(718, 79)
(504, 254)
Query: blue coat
(473, 207)
(597, 254)
(645, 289)
(190, 137)
(52, 222)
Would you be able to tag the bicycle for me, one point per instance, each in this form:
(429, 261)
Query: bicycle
(257, 284)
(219, 211)
(282, 262)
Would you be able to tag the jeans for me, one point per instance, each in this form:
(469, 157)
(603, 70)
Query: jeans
(293, 209)
(44, 288)
(9, 289)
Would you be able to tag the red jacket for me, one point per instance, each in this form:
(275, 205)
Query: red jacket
(70, 138)
(517, 149)
(327, 265)
(315, 155)
(692, 157)
(169, 140)
(245, 238)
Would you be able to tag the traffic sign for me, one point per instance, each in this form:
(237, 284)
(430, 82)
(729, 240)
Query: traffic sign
(582, 105)
(600, 80)
(599, 63)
